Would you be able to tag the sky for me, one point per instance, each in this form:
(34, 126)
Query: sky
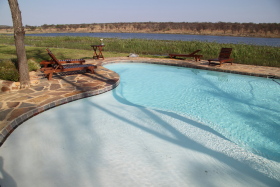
(40, 12)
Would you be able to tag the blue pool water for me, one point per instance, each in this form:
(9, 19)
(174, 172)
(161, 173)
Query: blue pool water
(244, 109)
(162, 126)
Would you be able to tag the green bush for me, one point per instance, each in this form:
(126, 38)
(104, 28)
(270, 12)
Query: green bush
(8, 71)
(33, 65)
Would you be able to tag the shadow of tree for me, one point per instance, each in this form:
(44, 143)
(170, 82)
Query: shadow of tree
(171, 114)
(183, 141)
(260, 112)
(6, 179)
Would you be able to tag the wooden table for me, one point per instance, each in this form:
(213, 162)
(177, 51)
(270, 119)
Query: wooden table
(97, 51)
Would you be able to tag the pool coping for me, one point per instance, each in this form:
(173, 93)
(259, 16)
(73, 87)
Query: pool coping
(203, 64)
(16, 122)
(13, 124)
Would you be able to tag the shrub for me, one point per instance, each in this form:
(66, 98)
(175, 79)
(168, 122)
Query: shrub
(33, 65)
(8, 71)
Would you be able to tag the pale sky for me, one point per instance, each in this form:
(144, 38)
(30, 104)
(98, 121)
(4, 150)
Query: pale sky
(39, 12)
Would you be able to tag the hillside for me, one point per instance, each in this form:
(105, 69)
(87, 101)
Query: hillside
(220, 28)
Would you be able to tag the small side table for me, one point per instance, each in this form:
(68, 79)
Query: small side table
(97, 51)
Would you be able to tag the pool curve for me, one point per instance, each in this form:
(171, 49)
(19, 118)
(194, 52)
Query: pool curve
(12, 119)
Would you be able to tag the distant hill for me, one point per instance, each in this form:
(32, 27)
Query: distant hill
(199, 28)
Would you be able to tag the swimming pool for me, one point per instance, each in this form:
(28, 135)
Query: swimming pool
(147, 136)
(244, 109)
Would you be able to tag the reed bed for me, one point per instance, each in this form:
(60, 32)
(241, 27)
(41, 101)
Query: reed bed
(242, 53)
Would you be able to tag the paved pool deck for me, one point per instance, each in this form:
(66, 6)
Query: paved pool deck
(17, 106)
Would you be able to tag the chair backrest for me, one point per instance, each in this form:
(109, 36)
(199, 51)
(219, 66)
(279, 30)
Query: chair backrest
(54, 58)
(225, 52)
(195, 52)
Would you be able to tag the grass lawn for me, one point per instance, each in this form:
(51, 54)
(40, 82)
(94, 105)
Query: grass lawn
(79, 47)
(36, 54)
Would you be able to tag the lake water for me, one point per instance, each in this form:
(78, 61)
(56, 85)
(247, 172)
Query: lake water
(180, 37)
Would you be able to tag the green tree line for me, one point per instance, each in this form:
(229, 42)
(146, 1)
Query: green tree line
(207, 28)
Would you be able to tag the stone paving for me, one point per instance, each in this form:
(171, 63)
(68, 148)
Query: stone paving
(16, 106)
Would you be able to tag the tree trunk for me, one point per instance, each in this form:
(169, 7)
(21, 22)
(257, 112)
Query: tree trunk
(19, 34)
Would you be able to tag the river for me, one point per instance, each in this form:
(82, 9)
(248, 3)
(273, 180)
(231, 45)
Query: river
(180, 37)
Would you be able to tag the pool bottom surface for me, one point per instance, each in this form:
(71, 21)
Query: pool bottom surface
(244, 109)
(100, 141)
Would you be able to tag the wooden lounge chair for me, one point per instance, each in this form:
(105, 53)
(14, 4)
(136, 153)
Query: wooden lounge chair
(223, 57)
(197, 57)
(57, 66)
(47, 63)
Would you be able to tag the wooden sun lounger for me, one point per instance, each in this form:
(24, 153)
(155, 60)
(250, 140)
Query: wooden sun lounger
(224, 56)
(46, 63)
(57, 67)
(197, 57)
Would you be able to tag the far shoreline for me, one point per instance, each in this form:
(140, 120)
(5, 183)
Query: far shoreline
(28, 32)
(261, 30)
